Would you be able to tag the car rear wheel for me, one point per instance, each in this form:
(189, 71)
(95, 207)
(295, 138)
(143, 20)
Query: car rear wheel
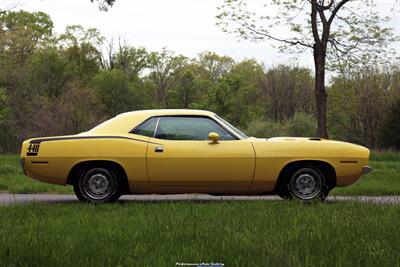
(98, 185)
(306, 184)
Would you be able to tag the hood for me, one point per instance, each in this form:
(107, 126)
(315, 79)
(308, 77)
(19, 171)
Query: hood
(296, 139)
(314, 142)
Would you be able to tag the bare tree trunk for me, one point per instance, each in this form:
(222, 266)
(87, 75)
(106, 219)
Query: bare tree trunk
(320, 91)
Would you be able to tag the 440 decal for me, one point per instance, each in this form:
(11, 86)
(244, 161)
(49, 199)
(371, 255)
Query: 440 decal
(33, 149)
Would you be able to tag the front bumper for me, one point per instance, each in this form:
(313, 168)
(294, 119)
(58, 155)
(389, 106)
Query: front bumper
(366, 170)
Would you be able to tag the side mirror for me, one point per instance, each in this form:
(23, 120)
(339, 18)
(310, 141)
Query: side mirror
(213, 137)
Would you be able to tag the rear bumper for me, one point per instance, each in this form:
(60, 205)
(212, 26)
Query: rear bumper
(366, 170)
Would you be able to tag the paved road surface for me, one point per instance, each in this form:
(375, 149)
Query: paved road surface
(7, 199)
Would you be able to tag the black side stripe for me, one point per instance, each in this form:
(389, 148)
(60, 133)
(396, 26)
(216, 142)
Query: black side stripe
(40, 140)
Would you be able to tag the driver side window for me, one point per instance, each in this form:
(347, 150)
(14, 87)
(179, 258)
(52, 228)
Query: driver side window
(189, 128)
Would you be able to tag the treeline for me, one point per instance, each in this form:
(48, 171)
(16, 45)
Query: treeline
(53, 84)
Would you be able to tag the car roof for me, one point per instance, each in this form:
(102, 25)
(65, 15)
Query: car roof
(166, 112)
(125, 122)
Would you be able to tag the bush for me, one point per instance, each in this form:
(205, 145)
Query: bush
(302, 125)
(3, 105)
(262, 128)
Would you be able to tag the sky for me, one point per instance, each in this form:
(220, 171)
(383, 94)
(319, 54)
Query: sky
(186, 27)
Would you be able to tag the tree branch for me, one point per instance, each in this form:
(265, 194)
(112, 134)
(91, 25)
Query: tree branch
(287, 41)
(335, 11)
(328, 6)
(347, 47)
(314, 26)
(320, 9)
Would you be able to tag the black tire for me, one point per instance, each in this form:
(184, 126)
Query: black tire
(306, 183)
(284, 194)
(98, 184)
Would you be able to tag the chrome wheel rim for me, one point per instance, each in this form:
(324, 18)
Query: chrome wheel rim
(306, 184)
(98, 184)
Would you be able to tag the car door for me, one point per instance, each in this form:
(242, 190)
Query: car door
(179, 154)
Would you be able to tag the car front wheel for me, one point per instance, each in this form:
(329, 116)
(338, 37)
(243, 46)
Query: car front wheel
(98, 185)
(306, 184)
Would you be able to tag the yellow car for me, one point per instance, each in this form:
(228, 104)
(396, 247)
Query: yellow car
(189, 151)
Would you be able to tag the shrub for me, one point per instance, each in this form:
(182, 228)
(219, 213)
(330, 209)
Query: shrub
(301, 124)
(265, 128)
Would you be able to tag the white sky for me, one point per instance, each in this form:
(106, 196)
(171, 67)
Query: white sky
(184, 26)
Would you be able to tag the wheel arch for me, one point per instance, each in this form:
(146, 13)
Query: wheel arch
(325, 167)
(72, 175)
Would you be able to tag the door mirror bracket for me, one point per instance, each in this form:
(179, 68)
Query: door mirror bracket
(213, 137)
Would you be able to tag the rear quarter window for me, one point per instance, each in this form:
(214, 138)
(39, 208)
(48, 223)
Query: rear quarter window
(146, 128)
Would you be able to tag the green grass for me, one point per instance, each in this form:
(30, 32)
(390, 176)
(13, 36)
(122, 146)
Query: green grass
(384, 180)
(254, 233)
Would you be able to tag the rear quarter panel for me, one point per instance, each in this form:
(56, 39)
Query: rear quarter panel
(56, 158)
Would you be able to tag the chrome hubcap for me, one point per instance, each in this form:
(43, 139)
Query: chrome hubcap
(306, 183)
(98, 185)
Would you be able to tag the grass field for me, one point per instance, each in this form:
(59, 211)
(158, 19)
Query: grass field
(252, 233)
(384, 180)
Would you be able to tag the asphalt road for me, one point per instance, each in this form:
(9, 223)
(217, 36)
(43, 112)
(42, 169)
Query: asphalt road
(8, 199)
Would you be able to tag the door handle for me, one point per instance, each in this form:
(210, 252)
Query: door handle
(159, 149)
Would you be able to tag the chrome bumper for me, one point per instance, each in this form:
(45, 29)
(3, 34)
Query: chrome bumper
(366, 170)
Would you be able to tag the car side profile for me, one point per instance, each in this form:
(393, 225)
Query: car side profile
(189, 151)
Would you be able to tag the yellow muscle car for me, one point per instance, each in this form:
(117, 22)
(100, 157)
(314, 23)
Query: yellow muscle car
(189, 151)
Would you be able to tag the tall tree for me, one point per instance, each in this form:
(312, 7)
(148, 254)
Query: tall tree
(336, 31)
(131, 60)
(82, 48)
(358, 105)
(239, 90)
(166, 71)
(290, 90)
(113, 91)
(188, 89)
(22, 32)
(215, 67)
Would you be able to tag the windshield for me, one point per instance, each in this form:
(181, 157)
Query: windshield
(231, 128)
